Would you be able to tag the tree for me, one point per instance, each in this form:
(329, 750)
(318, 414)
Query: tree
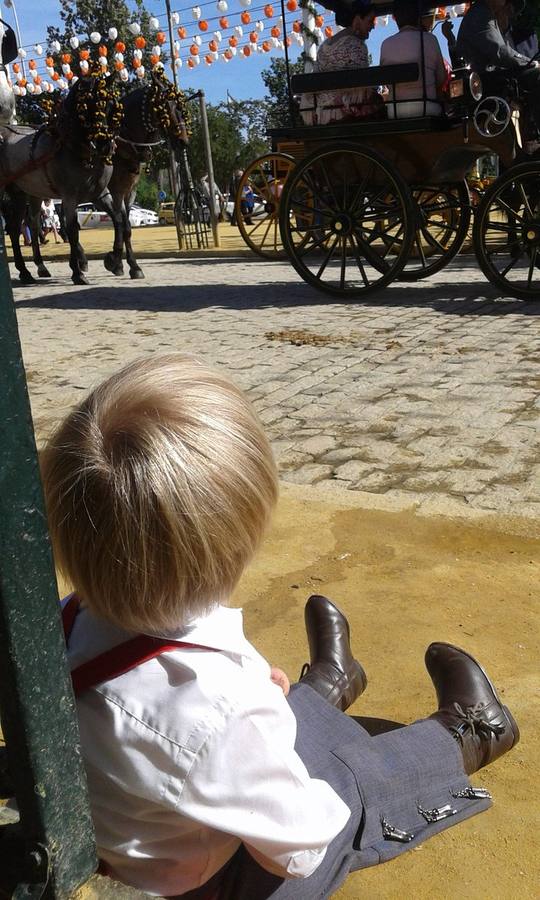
(278, 107)
(82, 17)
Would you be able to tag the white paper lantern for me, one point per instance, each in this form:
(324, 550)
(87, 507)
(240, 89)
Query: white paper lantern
(119, 57)
(177, 45)
(74, 42)
(175, 18)
(124, 74)
(16, 90)
(238, 30)
(39, 49)
(153, 23)
(95, 37)
(196, 12)
(140, 72)
(259, 26)
(66, 68)
(253, 46)
(83, 67)
(113, 33)
(234, 50)
(178, 63)
(137, 54)
(135, 28)
(74, 79)
(22, 53)
(215, 55)
(37, 89)
(197, 40)
(103, 61)
(62, 84)
(218, 36)
(55, 46)
(23, 92)
(50, 70)
(197, 60)
(222, 6)
(30, 88)
(245, 3)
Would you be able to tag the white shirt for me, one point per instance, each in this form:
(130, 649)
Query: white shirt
(406, 47)
(192, 753)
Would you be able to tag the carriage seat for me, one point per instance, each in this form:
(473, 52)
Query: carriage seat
(309, 87)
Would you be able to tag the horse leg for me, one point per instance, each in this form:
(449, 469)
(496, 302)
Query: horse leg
(113, 259)
(13, 208)
(72, 228)
(83, 262)
(135, 270)
(35, 208)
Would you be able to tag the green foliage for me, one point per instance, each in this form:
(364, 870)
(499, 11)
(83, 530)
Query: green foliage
(147, 192)
(81, 17)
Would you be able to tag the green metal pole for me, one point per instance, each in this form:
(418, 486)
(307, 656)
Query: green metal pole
(37, 708)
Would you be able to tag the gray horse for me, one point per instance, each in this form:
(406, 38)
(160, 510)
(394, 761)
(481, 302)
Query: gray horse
(8, 52)
(69, 158)
(152, 115)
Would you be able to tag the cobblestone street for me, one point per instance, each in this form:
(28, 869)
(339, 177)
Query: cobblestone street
(427, 393)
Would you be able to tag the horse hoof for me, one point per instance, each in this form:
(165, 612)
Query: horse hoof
(136, 273)
(112, 265)
(83, 263)
(26, 278)
(79, 279)
(43, 272)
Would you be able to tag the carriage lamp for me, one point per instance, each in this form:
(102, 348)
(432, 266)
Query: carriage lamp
(464, 92)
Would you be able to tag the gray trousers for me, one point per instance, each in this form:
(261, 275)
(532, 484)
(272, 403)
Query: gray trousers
(383, 777)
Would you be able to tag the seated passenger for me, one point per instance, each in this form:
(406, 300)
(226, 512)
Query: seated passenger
(413, 45)
(481, 44)
(344, 50)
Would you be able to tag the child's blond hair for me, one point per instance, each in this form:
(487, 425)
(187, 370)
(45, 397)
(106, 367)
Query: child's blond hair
(159, 487)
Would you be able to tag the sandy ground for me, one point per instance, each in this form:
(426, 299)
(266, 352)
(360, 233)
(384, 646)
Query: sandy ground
(404, 581)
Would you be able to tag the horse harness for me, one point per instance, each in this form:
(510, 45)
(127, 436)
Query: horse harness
(33, 163)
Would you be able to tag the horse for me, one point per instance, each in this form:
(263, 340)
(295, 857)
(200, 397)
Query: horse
(8, 52)
(152, 114)
(70, 157)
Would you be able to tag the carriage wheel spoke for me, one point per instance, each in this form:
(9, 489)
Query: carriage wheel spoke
(359, 261)
(509, 209)
(343, 263)
(421, 253)
(378, 262)
(326, 260)
(526, 200)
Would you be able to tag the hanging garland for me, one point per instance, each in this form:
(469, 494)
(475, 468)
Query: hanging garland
(156, 107)
(99, 123)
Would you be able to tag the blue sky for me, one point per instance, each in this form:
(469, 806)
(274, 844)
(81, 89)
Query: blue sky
(241, 77)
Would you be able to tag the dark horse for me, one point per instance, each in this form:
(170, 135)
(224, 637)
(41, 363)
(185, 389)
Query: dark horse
(152, 115)
(70, 157)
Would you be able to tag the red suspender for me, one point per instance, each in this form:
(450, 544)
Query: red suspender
(119, 659)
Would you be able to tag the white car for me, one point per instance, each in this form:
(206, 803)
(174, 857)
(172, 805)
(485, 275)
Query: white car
(259, 209)
(139, 216)
(90, 217)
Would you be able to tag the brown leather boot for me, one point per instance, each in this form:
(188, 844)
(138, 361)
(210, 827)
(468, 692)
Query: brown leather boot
(469, 706)
(332, 671)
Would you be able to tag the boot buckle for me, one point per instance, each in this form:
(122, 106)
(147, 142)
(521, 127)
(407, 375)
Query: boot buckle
(473, 793)
(391, 833)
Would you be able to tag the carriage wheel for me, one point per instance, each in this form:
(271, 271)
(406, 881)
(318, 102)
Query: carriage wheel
(347, 220)
(266, 175)
(443, 218)
(506, 233)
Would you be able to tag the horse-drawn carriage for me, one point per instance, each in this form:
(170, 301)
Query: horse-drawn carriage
(358, 204)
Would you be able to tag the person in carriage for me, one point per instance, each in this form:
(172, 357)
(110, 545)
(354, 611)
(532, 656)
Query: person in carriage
(346, 49)
(414, 43)
(482, 44)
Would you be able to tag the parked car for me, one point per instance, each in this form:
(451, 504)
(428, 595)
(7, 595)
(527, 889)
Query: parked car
(90, 217)
(166, 213)
(259, 208)
(139, 216)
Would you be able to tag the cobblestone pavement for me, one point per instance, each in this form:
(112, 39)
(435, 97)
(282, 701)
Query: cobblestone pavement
(427, 393)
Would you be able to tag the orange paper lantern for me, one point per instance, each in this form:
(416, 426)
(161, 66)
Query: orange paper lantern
(253, 36)
(246, 18)
(32, 64)
(136, 63)
(233, 41)
(275, 31)
(227, 54)
(190, 63)
(37, 79)
(120, 47)
(118, 65)
(154, 60)
(194, 50)
(55, 76)
(319, 21)
(66, 58)
(328, 31)
(16, 67)
(103, 50)
(85, 54)
(208, 59)
(224, 22)
(48, 60)
(140, 42)
(182, 33)
(246, 51)
(268, 11)
(69, 75)
(213, 45)
(267, 46)
(161, 37)
(203, 25)
(292, 5)
(296, 27)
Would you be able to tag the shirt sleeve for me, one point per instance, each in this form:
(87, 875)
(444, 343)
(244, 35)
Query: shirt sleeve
(248, 781)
